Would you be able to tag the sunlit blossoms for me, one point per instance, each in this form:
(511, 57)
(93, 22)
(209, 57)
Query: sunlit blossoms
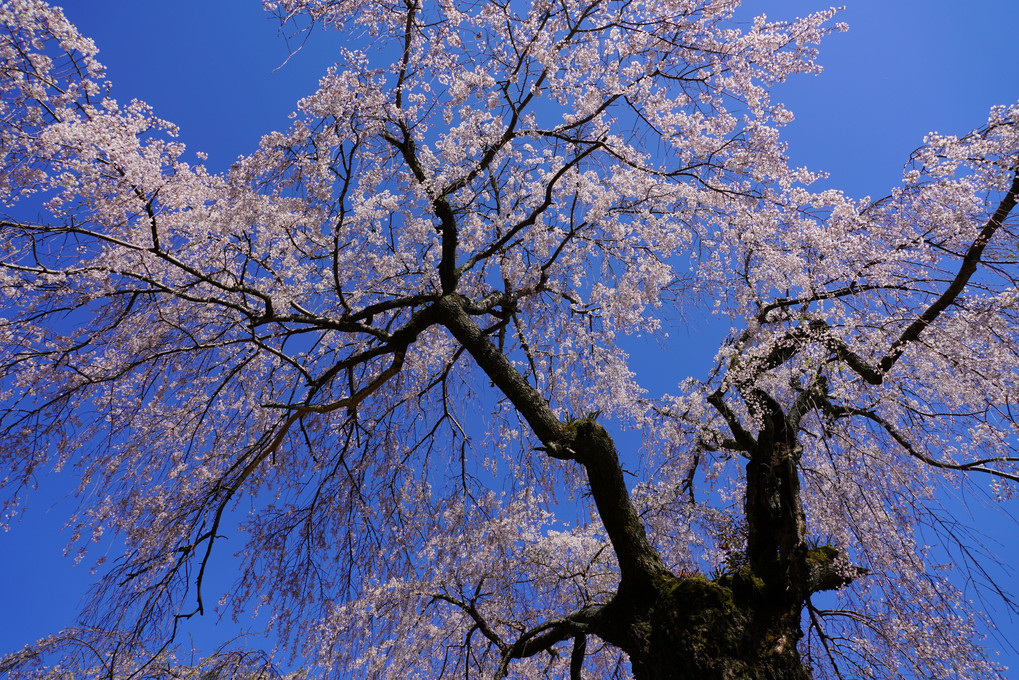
(385, 352)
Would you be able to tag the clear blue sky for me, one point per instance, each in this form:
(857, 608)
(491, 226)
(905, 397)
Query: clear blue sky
(906, 67)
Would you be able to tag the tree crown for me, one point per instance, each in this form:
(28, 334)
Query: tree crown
(475, 210)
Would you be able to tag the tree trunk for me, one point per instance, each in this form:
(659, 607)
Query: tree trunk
(742, 625)
(697, 629)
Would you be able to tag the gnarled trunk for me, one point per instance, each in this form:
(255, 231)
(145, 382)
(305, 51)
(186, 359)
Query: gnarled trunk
(742, 625)
(694, 628)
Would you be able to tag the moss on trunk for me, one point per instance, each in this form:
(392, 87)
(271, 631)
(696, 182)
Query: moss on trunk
(696, 628)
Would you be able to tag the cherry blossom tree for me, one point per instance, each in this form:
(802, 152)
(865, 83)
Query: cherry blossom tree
(388, 352)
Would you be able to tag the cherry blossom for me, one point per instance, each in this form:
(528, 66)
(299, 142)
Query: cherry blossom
(387, 351)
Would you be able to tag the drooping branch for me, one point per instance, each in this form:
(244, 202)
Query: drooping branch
(535, 213)
(541, 638)
(850, 290)
(471, 609)
(874, 374)
(966, 270)
(36, 231)
(908, 446)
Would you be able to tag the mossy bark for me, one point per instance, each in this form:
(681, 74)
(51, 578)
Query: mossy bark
(695, 628)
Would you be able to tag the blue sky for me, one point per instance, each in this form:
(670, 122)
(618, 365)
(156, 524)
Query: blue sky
(216, 68)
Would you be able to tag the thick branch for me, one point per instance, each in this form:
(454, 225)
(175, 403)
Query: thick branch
(583, 441)
(743, 438)
(551, 633)
(470, 608)
(527, 400)
(577, 657)
(448, 274)
(639, 562)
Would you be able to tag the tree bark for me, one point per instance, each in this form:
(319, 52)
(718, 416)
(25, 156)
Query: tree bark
(693, 628)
